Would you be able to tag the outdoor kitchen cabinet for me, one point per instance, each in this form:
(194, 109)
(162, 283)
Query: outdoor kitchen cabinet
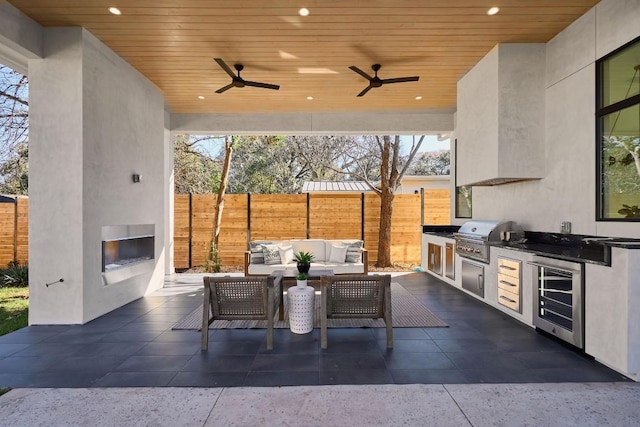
(434, 258)
(523, 311)
(612, 314)
(500, 119)
(509, 289)
(438, 253)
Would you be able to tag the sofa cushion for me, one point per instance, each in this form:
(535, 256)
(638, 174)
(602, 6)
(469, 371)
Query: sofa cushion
(354, 250)
(344, 268)
(264, 269)
(291, 270)
(338, 254)
(286, 254)
(314, 246)
(271, 254)
(257, 256)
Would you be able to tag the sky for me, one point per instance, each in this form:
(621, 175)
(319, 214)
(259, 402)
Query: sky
(430, 143)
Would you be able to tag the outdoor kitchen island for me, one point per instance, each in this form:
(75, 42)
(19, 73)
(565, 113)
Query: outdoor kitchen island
(610, 271)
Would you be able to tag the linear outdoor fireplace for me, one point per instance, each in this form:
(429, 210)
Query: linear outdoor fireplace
(127, 251)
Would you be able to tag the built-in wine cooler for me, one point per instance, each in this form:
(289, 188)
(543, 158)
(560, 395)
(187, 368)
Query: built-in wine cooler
(559, 299)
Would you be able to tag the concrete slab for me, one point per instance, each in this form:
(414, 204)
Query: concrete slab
(373, 405)
(575, 404)
(107, 407)
(566, 404)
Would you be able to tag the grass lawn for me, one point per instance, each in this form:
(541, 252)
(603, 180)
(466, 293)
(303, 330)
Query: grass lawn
(14, 309)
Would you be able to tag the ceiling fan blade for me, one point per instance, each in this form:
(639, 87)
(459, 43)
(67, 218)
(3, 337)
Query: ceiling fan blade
(359, 71)
(366, 89)
(224, 66)
(401, 80)
(262, 85)
(226, 88)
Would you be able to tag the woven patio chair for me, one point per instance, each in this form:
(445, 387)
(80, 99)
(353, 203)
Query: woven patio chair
(355, 297)
(240, 298)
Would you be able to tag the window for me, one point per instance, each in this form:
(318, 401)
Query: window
(463, 201)
(463, 193)
(618, 139)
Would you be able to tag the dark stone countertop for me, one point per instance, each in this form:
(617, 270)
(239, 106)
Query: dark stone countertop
(445, 231)
(598, 256)
(571, 247)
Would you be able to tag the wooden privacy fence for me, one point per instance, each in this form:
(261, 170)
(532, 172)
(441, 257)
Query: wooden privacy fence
(297, 216)
(14, 230)
(266, 216)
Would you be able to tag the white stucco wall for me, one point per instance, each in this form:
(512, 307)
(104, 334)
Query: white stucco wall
(412, 183)
(95, 122)
(568, 190)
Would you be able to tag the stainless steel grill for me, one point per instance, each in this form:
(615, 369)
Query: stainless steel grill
(472, 239)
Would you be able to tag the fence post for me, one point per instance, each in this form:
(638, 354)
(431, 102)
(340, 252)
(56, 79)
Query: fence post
(362, 216)
(308, 208)
(15, 229)
(248, 219)
(190, 230)
(421, 206)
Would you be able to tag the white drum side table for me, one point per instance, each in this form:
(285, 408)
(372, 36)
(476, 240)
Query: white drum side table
(301, 306)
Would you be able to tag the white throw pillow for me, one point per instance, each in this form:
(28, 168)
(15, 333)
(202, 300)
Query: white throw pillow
(271, 254)
(338, 254)
(286, 254)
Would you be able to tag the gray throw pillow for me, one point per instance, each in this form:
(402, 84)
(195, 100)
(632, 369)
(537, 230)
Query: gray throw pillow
(353, 251)
(257, 256)
(271, 254)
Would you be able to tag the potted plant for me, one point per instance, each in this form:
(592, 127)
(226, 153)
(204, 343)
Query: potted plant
(303, 261)
(301, 280)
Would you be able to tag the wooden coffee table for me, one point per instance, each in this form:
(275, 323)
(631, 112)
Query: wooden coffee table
(289, 279)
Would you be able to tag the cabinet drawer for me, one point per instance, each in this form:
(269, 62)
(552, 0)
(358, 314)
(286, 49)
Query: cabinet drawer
(509, 299)
(509, 283)
(509, 267)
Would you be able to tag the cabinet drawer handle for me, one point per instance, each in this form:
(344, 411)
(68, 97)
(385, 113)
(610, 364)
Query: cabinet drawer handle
(506, 267)
(504, 282)
(508, 299)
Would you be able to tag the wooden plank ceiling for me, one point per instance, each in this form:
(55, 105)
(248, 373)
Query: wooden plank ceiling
(173, 43)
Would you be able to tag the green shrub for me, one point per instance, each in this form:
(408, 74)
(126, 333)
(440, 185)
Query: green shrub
(15, 275)
(212, 262)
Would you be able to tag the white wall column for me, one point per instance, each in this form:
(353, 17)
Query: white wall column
(95, 121)
(169, 190)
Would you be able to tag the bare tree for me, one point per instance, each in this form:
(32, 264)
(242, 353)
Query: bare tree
(392, 166)
(14, 131)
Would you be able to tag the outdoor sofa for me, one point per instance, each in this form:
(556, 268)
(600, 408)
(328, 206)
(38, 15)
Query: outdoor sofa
(347, 256)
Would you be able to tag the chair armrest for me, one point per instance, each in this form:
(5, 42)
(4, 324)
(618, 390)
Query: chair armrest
(247, 260)
(365, 260)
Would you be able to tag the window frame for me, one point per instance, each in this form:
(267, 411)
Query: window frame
(456, 187)
(600, 113)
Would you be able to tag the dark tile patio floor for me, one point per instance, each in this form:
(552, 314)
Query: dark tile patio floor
(135, 346)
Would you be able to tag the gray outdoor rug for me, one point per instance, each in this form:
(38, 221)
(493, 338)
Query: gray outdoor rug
(407, 312)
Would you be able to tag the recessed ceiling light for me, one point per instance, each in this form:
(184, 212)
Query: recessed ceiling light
(115, 11)
(316, 70)
(418, 98)
(493, 11)
(303, 11)
(200, 97)
(309, 98)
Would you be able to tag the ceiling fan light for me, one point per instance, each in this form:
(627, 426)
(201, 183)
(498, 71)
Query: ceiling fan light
(200, 97)
(493, 11)
(115, 11)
